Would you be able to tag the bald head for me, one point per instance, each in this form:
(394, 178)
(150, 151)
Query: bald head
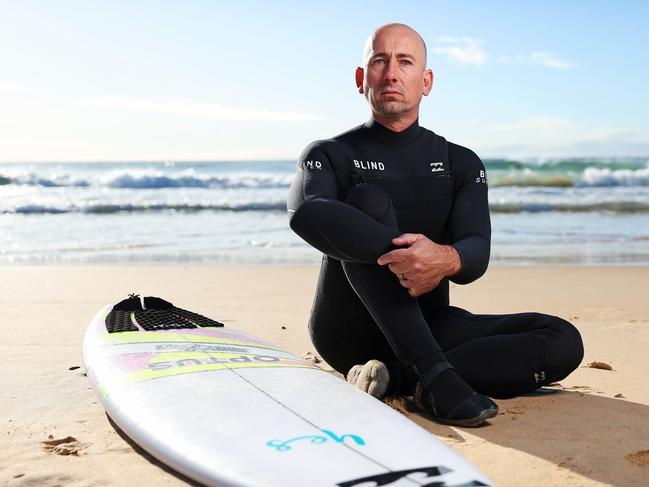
(394, 76)
(399, 29)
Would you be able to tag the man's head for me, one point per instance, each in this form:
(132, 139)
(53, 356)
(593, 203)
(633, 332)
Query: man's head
(394, 75)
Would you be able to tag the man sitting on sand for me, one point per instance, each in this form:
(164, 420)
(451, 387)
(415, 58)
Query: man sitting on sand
(398, 211)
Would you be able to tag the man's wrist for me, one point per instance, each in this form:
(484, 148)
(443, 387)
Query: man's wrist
(454, 261)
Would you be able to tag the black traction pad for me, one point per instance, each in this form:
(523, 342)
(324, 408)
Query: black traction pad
(200, 320)
(157, 314)
(161, 319)
(119, 321)
(119, 318)
(151, 302)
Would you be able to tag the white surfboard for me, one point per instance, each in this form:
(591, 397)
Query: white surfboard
(225, 408)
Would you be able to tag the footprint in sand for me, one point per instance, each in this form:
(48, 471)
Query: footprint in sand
(599, 365)
(63, 446)
(312, 357)
(400, 404)
(639, 458)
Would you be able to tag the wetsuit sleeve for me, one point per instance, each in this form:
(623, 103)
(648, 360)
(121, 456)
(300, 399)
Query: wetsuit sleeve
(314, 178)
(334, 227)
(469, 222)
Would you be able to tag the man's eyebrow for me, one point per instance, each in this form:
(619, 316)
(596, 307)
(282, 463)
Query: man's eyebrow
(399, 55)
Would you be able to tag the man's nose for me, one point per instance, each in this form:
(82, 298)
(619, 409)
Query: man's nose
(391, 70)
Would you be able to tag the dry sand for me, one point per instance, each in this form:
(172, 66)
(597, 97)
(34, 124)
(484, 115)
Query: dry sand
(592, 429)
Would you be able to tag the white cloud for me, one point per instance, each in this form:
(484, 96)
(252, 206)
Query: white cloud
(549, 136)
(612, 134)
(184, 108)
(469, 51)
(549, 60)
(562, 131)
(538, 123)
(31, 142)
(465, 50)
(8, 87)
(538, 58)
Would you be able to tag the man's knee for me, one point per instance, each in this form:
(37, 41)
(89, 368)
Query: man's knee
(564, 349)
(373, 201)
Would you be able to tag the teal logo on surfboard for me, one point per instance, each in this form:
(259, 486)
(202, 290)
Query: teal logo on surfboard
(280, 445)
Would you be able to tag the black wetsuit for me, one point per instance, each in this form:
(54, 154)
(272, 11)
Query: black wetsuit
(350, 197)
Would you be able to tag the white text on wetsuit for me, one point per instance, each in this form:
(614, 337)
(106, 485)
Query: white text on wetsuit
(312, 165)
(369, 165)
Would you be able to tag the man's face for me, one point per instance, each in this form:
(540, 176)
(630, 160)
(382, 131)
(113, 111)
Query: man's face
(395, 78)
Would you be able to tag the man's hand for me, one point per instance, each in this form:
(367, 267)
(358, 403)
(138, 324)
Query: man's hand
(422, 264)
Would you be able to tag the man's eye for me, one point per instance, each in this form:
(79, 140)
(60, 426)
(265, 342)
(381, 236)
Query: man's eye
(406, 61)
(378, 61)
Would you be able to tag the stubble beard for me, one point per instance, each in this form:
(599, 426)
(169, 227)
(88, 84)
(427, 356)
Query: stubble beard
(388, 108)
(392, 109)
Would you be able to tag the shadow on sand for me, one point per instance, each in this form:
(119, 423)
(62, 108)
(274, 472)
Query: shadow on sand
(150, 458)
(601, 438)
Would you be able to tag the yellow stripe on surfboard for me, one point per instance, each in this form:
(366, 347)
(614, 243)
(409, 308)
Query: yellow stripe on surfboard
(126, 337)
(143, 375)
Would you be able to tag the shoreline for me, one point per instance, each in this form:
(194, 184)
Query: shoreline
(579, 433)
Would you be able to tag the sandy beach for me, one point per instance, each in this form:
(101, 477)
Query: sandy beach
(591, 429)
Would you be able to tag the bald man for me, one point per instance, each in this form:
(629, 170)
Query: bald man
(398, 211)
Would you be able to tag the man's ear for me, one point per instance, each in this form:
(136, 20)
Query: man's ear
(428, 81)
(360, 76)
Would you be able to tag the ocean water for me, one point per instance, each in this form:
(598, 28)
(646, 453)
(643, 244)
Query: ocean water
(571, 211)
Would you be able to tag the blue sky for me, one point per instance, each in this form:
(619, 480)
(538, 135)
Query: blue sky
(199, 80)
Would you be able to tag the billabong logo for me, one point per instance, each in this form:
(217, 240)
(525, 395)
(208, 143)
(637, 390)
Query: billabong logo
(539, 376)
(482, 178)
(369, 165)
(400, 477)
(436, 166)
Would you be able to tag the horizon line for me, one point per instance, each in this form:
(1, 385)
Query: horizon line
(200, 161)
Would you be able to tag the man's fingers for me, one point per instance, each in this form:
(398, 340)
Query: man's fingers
(406, 239)
(399, 268)
(391, 257)
(407, 283)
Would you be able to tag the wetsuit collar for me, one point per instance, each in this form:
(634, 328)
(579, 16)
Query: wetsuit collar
(394, 139)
